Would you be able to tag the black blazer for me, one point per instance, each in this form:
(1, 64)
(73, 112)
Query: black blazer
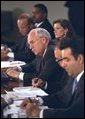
(22, 52)
(4, 79)
(46, 25)
(65, 104)
(47, 69)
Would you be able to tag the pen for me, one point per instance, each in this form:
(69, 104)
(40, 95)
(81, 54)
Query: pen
(30, 100)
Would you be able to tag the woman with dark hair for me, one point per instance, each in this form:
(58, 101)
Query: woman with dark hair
(63, 29)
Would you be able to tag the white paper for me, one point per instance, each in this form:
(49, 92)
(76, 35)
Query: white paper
(11, 109)
(19, 94)
(25, 89)
(17, 102)
(25, 93)
(15, 111)
(7, 64)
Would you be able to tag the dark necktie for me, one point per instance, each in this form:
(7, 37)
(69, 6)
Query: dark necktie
(41, 65)
(74, 85)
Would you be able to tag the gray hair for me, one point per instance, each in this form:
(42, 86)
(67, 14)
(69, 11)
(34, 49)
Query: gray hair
(41, 32)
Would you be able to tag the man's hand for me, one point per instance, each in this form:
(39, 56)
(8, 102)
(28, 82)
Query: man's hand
(34, 82)
(4, 56)
(38, 83)
(24, 104)
(32, 109)
(5, 50)
(12, 73)
(26, 101)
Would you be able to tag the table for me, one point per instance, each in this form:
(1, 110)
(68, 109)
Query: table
(18, 95)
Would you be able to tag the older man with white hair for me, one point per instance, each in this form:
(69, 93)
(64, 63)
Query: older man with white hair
(41, 72)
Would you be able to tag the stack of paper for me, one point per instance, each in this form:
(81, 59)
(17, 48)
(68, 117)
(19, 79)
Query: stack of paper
(7, 64)
(18, 94)
(25, 92)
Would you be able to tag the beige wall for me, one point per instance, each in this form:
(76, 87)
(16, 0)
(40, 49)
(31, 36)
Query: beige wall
(56, 9)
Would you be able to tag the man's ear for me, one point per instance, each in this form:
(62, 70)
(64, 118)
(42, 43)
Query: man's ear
(81, 59)
(57, 53)
(44, 40)
(44, 15)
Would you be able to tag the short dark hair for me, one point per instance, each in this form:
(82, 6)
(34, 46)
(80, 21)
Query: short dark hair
(76, 44)
(42, 8)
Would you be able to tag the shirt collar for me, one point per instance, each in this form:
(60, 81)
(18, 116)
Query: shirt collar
(79, 76)
(38, 24)
(44, 52)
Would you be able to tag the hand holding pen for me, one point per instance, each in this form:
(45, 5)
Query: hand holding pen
(25, 102)
(32, 109)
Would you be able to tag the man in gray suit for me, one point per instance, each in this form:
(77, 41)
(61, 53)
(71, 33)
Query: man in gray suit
(21, 50)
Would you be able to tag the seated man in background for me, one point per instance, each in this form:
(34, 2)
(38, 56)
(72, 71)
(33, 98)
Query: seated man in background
(39, 16)
(20, 51)
(68, 103)
(43, 68)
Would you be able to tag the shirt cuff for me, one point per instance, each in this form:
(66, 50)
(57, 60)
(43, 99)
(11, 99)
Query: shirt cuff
(45, 87)
(40, 100)
(11, 56)
(21, 75)
(19, 69)
(41, 113)
(10, 49)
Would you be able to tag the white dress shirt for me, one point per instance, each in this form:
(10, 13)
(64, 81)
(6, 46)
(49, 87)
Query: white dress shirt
(38, 24)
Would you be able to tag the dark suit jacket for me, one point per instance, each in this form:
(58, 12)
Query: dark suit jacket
(65, 104)
(4, 80)
(46, 25)
(47, 69)
(22, 52)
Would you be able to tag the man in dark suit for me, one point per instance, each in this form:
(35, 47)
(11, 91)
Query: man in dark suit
(68, 103)
(44, 67)
(76, 13)
(21, 51)
(39, 15)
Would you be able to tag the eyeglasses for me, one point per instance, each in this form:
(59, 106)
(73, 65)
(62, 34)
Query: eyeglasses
(58, 60)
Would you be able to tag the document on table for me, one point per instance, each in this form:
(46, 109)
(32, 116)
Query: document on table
(7, 64)
(14, 111)
(17, 111)
(18, 95)
(21, 92)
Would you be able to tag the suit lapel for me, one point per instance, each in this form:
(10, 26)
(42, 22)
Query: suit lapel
(79, 89)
